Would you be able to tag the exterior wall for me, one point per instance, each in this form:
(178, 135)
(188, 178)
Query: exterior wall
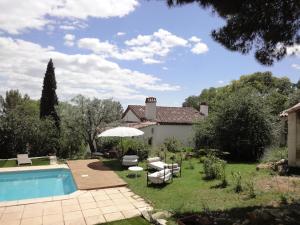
(292, 138)
(130, 117)
(158, 133)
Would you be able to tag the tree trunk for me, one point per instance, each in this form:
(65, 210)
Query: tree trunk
(91, 145)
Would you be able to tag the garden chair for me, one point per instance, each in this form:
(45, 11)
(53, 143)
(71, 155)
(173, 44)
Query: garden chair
(23, 159)
(130, 160)
(159, 177)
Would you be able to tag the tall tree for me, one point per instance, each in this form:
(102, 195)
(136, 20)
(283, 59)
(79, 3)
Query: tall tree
(268, 26)
(49, 99)
(95, 114)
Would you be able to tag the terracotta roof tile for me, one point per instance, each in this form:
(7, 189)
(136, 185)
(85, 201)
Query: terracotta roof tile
(180, 115)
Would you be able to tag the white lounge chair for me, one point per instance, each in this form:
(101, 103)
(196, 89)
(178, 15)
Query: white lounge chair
(23, 159)
(176, 168)
(156, 164)
(160, 177)
(130, 160)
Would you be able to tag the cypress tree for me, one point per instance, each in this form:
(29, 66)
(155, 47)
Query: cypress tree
(49, 99)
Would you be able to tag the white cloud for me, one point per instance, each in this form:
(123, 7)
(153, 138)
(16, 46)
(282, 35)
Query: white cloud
(67, 27)
(296, 66)
(199, 48)
(221, 81)
(165, 68)
(151, 49)
(194, 39)
(121, 33)
(294, 50)
(97, 46)
(17, 16)
(69, 39)
(23, 65)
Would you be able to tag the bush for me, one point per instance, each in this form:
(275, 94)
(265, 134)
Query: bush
(107, 143)
(251, 189)
(214, 168)
(135, 147)
(237, 179)
(172, 145)
(274, 154)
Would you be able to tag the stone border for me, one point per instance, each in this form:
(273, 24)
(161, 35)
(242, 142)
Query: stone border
(28, 168)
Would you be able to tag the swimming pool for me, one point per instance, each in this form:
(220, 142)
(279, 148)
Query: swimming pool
(35, 184)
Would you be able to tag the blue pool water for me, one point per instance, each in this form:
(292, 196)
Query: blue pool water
(35, 184)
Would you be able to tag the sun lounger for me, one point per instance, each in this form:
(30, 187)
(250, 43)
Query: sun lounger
(130, 160)
(23, 159)
(155, 163)
(160, 177)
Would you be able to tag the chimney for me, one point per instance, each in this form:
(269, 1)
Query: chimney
(150, 108)
(204, 109)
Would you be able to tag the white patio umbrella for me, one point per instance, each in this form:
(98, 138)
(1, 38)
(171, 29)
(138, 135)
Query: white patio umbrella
(121, 132)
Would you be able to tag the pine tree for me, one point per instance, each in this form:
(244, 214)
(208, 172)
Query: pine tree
(49, 99)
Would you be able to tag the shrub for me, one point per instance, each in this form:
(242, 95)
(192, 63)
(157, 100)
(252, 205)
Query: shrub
(172, 145)
(214, 168)
(135, 147)
(107, 142)
(251, 189)
(274, 154)
(237, 179)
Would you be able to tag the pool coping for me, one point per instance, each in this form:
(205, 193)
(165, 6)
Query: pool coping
(29, 168)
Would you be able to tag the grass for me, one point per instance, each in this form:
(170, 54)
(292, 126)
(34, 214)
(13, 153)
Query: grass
(132, 221)
(35, 162)
(191, 193)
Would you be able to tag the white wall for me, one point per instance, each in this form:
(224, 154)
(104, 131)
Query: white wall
(183, 133)
(130, 117)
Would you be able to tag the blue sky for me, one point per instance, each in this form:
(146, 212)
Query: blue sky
(125, 49)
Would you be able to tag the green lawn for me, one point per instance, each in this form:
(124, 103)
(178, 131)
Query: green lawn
(132, 221)
(191, 193)
(35, 162)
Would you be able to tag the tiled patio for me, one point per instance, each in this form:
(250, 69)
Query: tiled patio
(88, 207)
(92, 174)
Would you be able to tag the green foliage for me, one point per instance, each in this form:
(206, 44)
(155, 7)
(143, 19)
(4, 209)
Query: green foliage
(241, 125)
(135, 147)
(273, 154)
(275, 27)
(22, 131)
(237, 180)
(213, 167)
(93, 115)
(273, 90)
(172, 145)
(49, 100)
(72, 142)
(107, 143)
(250, 189)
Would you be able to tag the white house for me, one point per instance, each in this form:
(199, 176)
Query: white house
(293, 115)
(161, 122)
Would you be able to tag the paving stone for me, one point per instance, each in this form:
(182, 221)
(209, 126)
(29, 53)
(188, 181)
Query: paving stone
(114, 216)
(72, 201)
(73, 215)
(103, 203)
(71, 208)
(91, 220)
(91, 212)
(52, 219)
(109, 209)
(89, 205)
(32, 221)
(131, 213)
(16, 208)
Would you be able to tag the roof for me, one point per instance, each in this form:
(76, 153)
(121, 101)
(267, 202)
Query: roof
(168, 115)
(293, 109)
(141, 125)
